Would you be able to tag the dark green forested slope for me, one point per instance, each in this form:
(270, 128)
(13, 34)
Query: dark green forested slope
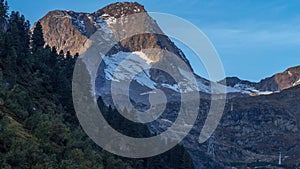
(38, 126)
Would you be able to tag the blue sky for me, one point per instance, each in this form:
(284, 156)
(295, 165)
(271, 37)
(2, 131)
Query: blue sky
(254, 38)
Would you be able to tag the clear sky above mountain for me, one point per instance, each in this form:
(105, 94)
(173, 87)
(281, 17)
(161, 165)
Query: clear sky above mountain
(254, 39)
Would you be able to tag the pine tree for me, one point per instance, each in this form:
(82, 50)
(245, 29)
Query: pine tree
(37, 37)
(9, 69)
(15, 51)
(3, 15)
(3, 25)
(187, 162)
(3, 22)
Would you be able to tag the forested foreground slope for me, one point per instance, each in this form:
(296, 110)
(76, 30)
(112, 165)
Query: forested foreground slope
(38, 125)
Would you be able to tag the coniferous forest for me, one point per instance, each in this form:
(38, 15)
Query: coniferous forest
(38, 125)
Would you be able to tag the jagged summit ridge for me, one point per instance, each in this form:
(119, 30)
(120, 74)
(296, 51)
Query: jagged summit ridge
(119, 9)
(276, 83)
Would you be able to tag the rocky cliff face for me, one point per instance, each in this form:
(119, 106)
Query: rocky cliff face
(252, 133)
(287, 79)
(69, 31)
(255, 129)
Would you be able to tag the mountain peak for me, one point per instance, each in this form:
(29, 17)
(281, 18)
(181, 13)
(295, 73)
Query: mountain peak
(70, 31)
(119, 9)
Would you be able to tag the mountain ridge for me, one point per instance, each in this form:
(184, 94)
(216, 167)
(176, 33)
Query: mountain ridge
(75, 28)
(275, 83)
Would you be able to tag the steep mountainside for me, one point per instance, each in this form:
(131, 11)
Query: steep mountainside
(252, 133)
(59, 30)
(281, 81)
(69, 31)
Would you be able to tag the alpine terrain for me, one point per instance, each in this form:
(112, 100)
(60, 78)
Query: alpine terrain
(259, 127)
(260, 120)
